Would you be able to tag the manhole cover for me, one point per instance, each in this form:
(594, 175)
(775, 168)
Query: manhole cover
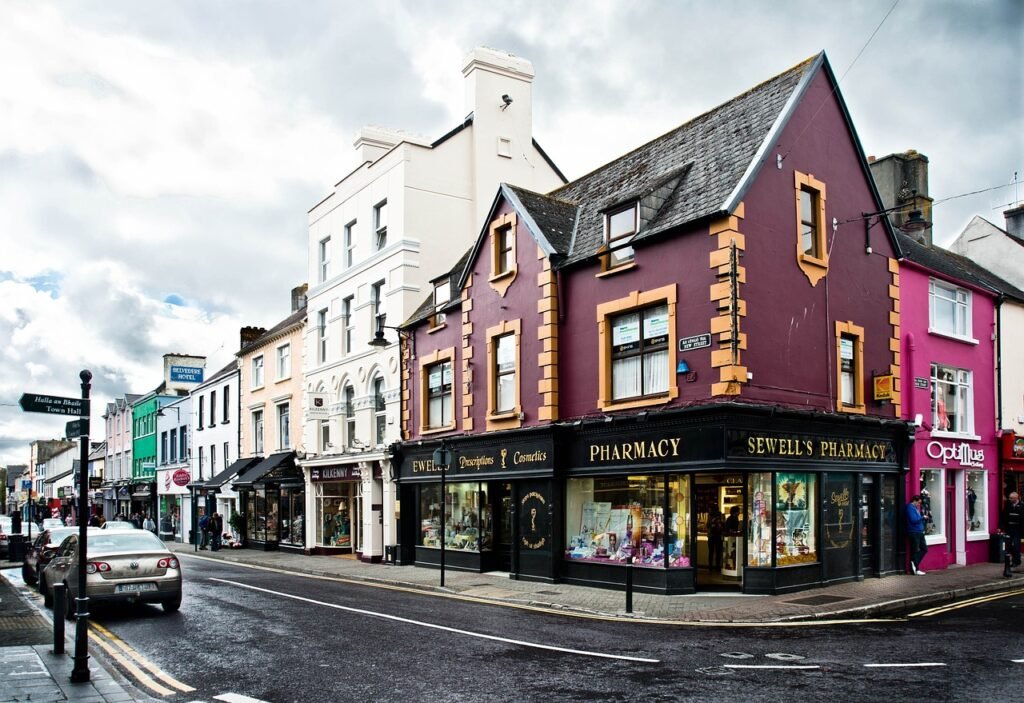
(715, 671)
(737, 655)
(783, 656)
(817, 600)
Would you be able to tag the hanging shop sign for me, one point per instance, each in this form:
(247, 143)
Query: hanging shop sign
(962, 453)
(765, 445)
(318, 406)
(181, 477)
(883, 387)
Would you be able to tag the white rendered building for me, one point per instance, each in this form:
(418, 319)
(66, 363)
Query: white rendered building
(405, 215)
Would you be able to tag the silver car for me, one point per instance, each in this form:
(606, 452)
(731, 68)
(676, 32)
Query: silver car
(122, 566)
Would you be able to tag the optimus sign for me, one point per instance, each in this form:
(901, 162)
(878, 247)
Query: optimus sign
(961, 453)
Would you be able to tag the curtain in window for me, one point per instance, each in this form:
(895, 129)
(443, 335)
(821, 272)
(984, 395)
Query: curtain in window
(626, 377)
(656, 372)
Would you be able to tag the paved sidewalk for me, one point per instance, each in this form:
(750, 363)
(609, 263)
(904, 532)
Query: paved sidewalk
(29, 671)
(890, 596)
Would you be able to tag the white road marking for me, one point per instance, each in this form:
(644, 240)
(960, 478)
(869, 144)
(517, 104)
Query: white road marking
(236, 698)
(1017, 661)
(479, 635)
(880, 666)
(771, 666)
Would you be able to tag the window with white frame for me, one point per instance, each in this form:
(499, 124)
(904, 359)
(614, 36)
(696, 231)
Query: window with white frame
(977, 502)
(620, 227)
(227, 403)
(202, 457)
(442, 294)
(439, 395)
(949, 309)
(284, 426)
(380, 224)
(257, 372)
(321, 335)
(227, 454)
(257, 431)
(173, 446)
(505, 373)
(284, 361)
(202, 413)
(213, 408)
(324, 258)
(933, 505)
(376, 304)
(325, 436)
(639, 353)
(213, 459)
(164, 455)
(350, 243)
(379, 411)
(951, 400)
(349, 399)
(182, 444)
(348, 323)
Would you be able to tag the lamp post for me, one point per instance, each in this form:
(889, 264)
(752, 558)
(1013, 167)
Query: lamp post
(443, 458)
(914, 223)
(80, 671)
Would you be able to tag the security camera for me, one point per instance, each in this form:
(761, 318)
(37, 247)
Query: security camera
(507, 100)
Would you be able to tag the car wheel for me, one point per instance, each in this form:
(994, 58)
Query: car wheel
(47, 593)
(172, 606)
(69, 604)
(27, 576)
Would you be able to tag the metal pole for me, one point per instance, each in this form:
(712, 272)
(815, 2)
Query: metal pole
(59, 604)
(80, 672)
(444, 509)
(629, 584)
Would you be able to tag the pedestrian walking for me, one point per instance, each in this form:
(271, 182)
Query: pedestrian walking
(1011, 525)
(149, 524)
(915, 533)
(216, 527)
(204, 523)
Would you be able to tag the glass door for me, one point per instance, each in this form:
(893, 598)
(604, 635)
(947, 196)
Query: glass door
(868, 525)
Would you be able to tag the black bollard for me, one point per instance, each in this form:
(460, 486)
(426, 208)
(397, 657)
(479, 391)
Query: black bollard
(629, 584)
(59, 603)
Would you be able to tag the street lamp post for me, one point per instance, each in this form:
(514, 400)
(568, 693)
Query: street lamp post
(443, 458)
(80, 672)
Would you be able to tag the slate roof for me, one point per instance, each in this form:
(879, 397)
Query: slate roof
(426, 308)
(556, 218)
(295, 318)
(955, 266)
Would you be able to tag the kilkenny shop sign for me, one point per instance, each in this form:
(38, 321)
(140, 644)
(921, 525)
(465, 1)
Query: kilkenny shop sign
(53, 405)
(186, 374)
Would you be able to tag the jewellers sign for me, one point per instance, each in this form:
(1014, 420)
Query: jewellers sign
(961, 453)
(521, 455)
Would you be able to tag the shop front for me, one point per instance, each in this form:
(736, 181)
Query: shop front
(337, 497)
(494, 509)
(958, 481)
(1011, 456)
(272, 495)
(758, 502)
(221, 486)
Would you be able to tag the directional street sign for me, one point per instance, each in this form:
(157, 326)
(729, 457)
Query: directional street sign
(53, 405)
(76, 428)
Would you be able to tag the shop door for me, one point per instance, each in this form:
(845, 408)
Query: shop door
(720, 541)
(503, 532)
(356, 513)
(952, 518)
(840, 518)
(868, 525)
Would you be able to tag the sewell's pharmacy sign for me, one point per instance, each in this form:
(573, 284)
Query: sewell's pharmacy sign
(961, 453)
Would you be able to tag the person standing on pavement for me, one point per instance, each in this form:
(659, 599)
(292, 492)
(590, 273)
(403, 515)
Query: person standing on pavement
(1011, 524)
(204, 525)
(216, 528)
(915, 533)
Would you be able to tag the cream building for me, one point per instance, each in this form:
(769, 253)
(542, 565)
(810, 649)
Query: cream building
(402, 217)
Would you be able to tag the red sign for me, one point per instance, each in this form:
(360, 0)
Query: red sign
(181, 477)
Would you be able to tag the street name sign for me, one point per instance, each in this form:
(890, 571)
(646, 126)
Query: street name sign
(76, 428)
(53, 405)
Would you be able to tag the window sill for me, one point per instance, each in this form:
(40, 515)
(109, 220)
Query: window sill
(501, 276)
(438, 328)
(977, 536)
(199, 429)
(852, 409)
(935, 539)
(256, 388)
(436, 430)
(954, 337)
(814, 261)
(507, 415)
(288, 378)
(622, 268)
(942, 434)
(628, 404)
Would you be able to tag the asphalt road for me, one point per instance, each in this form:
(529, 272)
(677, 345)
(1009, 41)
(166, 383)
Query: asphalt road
(283, 637)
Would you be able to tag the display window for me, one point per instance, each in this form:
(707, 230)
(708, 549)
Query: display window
(262, 514)
(933, 508)
(760, 512)
(293, 523)
(335, 513)
(795, 527)
(976, 501)
(679, 525)
(466, 527)
(621, 519)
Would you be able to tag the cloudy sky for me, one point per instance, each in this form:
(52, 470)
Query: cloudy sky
(157, 159)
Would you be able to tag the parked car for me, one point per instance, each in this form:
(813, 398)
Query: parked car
(6, 529)
(121, 566)
(42, 550)
(119, 525)
(51, 522)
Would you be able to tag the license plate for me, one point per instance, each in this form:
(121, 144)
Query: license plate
(134, 587)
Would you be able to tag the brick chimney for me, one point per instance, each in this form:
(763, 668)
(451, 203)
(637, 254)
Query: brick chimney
(897, 176)
(1015, 221)
(248, 335)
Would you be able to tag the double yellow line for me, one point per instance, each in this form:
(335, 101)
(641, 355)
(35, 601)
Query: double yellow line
(964, 604)
(157, 680)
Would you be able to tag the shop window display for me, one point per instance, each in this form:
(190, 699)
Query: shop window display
(615, 519)
(932, 505)
(976, 500)
(795, 527)
(292, 519)
(759, 519)
(466, 528)
(678, 524)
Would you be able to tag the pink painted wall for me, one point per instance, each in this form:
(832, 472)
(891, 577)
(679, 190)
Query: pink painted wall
(920, 349)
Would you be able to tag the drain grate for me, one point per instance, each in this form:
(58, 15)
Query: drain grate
(548, 593)
(817, 600)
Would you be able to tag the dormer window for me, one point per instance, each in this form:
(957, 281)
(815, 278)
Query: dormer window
(442, 295)
(621, 226)
(503, 252)
(380, 224)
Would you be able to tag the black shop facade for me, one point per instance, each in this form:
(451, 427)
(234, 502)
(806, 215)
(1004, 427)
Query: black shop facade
(740, 499)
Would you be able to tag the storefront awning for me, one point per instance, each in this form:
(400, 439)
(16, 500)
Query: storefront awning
(236, 469)
(276, 467)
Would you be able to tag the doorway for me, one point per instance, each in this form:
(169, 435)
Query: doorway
(719, 510)
(868, 525)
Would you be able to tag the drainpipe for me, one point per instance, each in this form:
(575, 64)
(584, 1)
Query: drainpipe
(911, 347)
(999, 364)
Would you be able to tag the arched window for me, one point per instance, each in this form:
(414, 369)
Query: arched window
(349, 399)
(379, 411)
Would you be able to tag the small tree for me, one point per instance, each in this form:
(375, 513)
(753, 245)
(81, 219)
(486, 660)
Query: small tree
(236, 523)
